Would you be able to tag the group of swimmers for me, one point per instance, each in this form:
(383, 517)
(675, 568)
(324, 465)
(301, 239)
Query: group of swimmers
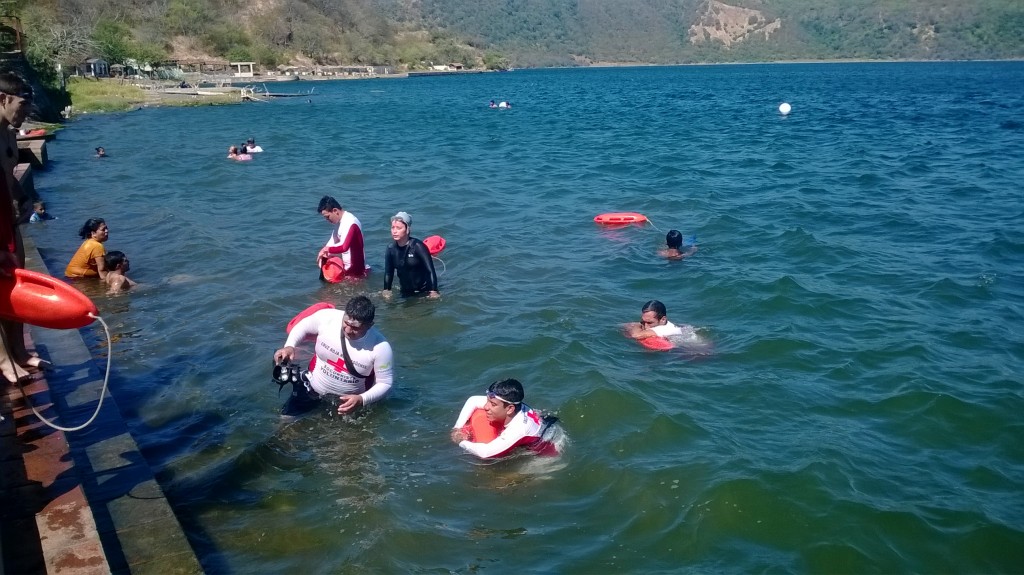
(243, 152)
(353, 362)
(92, 260)
(503, 105)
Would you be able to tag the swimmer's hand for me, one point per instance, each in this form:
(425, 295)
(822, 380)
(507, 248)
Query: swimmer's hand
(386, 294)
(286, 353)
(458, 436)
(434, 295)
(349, 403)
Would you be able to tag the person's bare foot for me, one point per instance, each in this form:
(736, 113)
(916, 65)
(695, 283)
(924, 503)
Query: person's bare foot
(11, 371)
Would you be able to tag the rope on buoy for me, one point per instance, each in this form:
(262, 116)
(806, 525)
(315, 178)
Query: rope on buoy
(106, 379)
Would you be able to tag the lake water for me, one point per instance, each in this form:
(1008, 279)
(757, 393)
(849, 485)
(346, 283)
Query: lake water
(859, 277)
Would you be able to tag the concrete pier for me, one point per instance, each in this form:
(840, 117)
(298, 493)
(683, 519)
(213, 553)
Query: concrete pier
(80, 502)
(33, 152)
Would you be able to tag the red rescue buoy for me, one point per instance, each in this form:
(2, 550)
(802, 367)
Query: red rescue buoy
(38, 299)
(434, 244)
(306, 313)
(657, 343)
(620, 218)
(333, 270)
(481, 430)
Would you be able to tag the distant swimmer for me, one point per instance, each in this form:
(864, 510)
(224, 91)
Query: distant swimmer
(675, 249)
(492, 105)
(252, 147)
(504, 105)
(234, 154)
(498, 424)
(101, 152)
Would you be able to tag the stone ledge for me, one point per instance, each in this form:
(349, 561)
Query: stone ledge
(79, 502)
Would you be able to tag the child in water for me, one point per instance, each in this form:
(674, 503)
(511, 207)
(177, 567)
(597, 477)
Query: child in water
(39, 213)
(675, 250)
(117, 266)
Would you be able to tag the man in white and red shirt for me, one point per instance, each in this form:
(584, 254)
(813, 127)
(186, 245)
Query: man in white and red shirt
(346, 241)
(353, 359)
(517, 424)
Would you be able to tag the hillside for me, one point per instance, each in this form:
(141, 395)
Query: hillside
(412, 34)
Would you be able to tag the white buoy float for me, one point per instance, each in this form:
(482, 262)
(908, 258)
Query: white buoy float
(785, 108)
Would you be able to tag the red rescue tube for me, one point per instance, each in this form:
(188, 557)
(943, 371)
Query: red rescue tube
(38, 299)
(620, 218)
(479, 429)
(333, 270)
(657, 343)
(306, 313)
(434, 244)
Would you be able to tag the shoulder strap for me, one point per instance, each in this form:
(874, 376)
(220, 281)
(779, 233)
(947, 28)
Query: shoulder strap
(348, 359)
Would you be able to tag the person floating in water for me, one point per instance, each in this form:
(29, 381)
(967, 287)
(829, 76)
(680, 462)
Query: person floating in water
(502, 414)
(251, 147)
(235, 154)
(654, 323)
(101, 152)
(492, 105)
(504, 105)
(675, 249)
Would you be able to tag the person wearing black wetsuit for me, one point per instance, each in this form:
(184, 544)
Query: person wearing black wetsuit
(411, 259)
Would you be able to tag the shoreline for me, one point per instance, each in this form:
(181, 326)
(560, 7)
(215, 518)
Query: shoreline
(160, 96)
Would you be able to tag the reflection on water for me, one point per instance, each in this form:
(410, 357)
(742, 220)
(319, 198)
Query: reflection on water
(856, 281)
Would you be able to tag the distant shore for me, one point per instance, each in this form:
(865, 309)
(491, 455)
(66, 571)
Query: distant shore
(834, 61)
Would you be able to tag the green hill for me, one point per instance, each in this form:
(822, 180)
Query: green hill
(414, 34)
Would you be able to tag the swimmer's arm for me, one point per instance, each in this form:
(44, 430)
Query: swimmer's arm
(389, 269)
(499, 445)
(101, 267)
(346, 244)
(384, 372)
(472, 404)
(423, 254)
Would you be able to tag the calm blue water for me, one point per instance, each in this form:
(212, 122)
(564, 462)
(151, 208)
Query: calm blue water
(859, 275)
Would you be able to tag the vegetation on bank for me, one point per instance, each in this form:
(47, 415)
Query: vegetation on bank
(96, 96)
(92, 96)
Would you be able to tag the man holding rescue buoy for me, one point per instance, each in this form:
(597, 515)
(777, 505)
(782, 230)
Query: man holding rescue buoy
(410, 259)
(655, 331)
(352, 359)
(654, 323)
(498, 423)
(346, 242)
